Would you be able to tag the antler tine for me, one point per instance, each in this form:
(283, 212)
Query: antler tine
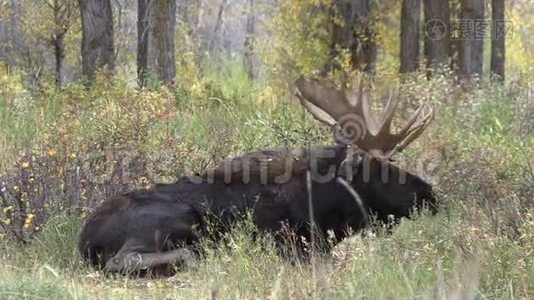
(322, 99)
(412, 120)
(411, 132)
(365, 107)
(316, 111)
(386, 116)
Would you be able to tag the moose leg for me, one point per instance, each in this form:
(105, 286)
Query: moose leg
(131, 258)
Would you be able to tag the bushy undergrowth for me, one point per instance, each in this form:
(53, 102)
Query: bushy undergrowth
(65, 151)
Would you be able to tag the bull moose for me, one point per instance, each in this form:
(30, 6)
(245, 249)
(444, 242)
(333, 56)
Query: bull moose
(309, 191)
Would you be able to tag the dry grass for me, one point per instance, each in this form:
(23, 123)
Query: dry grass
(479, 246)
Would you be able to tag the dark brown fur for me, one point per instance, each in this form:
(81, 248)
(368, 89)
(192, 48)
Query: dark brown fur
(174, 215)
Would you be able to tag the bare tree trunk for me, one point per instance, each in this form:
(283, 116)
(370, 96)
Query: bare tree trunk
(59, 54)
(61, 22)
(437, 32)
(472, 43)
(120, 42)
(251, 61)
(215, 39)
(3, 42)
(409, 48)
(161, 48)
(9, 34)
(355, 34)
(142, 42)
(497, 40)
(200, 14)
(97, 36)
(188, 13)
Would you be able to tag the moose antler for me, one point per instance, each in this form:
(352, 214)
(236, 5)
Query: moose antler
(348, 111)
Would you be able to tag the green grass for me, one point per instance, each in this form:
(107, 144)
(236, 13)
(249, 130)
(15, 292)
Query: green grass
(477, 152)
(430, 256)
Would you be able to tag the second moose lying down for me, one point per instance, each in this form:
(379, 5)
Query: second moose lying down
(343, 183)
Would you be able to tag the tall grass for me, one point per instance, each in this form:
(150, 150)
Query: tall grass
(478, 153)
